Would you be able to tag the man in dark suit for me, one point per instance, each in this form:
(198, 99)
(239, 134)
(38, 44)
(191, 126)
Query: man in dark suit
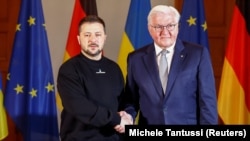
(188, 97)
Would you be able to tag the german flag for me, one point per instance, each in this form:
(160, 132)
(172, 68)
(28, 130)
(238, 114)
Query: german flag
(234, 91)
(81, 9)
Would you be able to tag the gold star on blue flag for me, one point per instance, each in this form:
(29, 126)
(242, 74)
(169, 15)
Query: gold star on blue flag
(193, 25)
(30, 95)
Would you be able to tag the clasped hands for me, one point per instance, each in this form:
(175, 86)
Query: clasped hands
(126, 119)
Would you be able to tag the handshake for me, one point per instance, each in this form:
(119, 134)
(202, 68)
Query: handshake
(126, 119)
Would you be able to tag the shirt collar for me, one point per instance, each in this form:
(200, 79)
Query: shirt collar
(158, 49)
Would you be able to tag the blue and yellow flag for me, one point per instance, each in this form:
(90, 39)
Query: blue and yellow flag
(193, 26)
(136, 32)
(3, 119)
(30, 91)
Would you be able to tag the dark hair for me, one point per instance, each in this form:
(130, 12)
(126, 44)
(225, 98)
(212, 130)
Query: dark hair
(91, 19)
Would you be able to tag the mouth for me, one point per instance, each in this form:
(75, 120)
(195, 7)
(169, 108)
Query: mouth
(93, 45)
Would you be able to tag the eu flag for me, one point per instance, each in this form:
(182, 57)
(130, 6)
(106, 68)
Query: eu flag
(30, 92)
(193, 26)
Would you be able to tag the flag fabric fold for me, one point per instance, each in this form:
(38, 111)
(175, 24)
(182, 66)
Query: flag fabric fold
(136, 34)
(81, 9)
(193, 26)
(234, 91)
(30, 92)
(3, 119)
(89, 7)
(72, 46)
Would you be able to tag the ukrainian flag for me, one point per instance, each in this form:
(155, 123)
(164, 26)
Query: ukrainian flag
(136, 32)
(3, 119)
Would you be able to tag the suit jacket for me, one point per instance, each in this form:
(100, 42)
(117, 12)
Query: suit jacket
(190, 96)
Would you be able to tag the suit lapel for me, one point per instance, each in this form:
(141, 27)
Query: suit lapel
(178, 58)
(151, 66)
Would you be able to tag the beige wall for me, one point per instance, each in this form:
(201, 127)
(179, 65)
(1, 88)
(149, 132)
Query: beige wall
(57, 15)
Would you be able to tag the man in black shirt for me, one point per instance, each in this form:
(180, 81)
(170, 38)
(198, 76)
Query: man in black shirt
(90, 86)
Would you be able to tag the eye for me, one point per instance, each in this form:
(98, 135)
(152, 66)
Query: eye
(98, 35)
(86, 35)
(159, 27)
(171, 25)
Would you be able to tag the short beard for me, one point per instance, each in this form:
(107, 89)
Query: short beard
(99, 51)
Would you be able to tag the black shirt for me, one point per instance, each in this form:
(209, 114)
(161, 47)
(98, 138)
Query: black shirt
(90, 92)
